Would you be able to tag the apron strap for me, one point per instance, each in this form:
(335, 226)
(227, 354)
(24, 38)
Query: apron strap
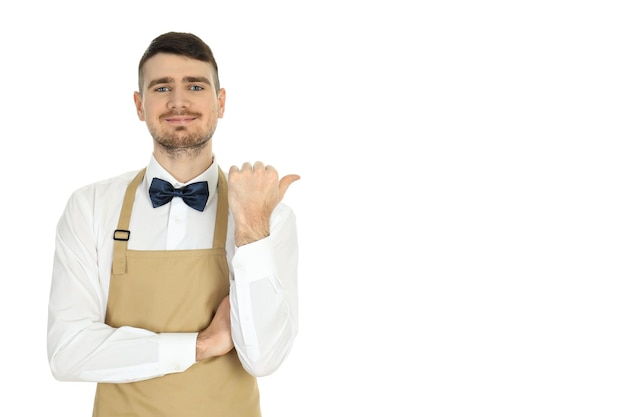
(219, 235)
(122, 233)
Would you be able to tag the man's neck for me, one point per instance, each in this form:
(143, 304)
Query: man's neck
(185, 166)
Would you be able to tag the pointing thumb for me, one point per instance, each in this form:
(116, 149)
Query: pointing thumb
(285, 182)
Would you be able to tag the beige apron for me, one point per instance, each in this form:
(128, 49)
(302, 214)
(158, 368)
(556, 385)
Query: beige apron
(175, 291)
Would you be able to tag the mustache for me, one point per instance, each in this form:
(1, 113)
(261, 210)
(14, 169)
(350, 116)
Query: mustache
(179, 113)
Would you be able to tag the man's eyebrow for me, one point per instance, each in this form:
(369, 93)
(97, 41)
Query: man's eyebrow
(164, 80)
(197, 80)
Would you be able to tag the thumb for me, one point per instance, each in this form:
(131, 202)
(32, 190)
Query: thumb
(285, 182)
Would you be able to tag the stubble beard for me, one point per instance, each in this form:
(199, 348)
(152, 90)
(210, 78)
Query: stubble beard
(182, 143)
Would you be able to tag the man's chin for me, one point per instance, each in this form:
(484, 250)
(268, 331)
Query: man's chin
(182, 141)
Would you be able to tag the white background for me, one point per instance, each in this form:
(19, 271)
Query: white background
(461, 209)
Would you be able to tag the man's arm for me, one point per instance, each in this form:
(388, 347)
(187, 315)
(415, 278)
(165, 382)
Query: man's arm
(81, 347)
(264, 313)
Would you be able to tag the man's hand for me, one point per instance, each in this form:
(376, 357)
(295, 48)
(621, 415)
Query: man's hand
(216, 339)
(253, 193)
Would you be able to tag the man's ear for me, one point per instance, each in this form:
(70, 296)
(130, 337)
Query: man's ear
(221, 100)
(139, 105)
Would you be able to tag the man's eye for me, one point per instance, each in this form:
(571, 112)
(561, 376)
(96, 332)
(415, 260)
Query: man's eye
(162, 89)
(196, 88)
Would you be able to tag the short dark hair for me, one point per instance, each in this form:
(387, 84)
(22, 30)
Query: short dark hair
(179, 43)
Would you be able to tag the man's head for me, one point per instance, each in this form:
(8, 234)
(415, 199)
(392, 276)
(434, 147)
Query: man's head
(179, 95)
(179, 43)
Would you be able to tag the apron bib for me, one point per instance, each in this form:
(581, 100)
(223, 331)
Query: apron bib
(175, 291)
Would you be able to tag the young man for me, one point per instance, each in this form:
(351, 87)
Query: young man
(174, 287)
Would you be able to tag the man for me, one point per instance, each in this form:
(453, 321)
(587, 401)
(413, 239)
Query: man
(174, 303)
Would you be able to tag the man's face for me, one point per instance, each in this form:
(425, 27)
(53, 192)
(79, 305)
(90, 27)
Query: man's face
(179, 103)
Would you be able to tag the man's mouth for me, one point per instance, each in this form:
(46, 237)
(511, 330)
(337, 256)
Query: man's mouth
(180, 119)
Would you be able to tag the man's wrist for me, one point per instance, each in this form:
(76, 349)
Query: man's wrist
(249, 234)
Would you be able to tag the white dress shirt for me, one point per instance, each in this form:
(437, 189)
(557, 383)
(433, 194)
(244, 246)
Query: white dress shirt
(263, 284)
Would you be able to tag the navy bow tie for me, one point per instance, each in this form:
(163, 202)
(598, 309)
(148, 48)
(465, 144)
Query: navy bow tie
(194, 195)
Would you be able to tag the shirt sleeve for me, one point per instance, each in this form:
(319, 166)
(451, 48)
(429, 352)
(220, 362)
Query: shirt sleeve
(81, 347)
(264, 296)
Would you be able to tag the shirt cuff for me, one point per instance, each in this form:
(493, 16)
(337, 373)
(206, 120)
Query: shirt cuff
(177, 351)
(254, 261)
